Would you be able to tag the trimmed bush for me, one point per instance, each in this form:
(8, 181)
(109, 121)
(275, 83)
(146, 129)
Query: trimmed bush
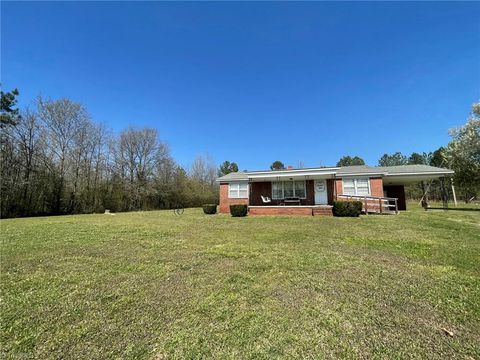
(347, 208)
(238, 210)
(210, 209)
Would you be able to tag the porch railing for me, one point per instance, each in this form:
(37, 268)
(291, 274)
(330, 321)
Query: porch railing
(375, 204)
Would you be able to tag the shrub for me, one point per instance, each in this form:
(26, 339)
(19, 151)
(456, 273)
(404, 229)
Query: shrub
(210, 209)
(99, 209)
(238, 210)
(347, 208)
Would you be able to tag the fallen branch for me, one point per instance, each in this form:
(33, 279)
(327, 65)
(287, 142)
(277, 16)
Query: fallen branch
(447, 332)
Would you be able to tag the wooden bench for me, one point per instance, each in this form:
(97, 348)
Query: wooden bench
(291, 201)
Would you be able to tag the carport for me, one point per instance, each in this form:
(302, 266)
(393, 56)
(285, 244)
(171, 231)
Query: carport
(397, 177)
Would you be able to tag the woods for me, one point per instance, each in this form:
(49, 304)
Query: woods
(57, 160)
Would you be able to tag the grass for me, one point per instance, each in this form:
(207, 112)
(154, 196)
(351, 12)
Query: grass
(155, 285)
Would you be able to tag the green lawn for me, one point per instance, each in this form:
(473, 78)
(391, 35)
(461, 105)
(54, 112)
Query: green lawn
(156, 285)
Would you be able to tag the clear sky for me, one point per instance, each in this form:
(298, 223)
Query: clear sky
(255, 82)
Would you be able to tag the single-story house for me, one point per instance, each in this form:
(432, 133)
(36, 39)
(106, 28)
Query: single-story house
(312, 191)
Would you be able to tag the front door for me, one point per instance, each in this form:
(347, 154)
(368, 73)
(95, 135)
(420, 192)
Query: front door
(321, 192)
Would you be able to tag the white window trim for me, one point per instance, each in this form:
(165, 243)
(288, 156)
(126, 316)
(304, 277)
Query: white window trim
(237, 190)
(283, 189)
(355, 186)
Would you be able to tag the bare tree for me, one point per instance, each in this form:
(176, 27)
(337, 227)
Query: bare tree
(58, 160)
(63, 121)
(10, 171)
(136, 153)
(28, 137)
(204, 170)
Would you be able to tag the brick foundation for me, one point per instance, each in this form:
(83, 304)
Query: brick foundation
(290, 210)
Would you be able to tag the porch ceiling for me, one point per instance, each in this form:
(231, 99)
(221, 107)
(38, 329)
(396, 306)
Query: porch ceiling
(412, 178)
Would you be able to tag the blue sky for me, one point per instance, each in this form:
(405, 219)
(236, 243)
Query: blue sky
(255, 82)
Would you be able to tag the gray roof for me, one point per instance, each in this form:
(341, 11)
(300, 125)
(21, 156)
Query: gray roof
(347, 170)
(390, 170)
(415, 169)
(234, 176)
(360, 170)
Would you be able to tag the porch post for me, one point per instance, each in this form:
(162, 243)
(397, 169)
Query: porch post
(424, 200)
(444, 193)
(453, 192)
(335, 188)
(249, 193)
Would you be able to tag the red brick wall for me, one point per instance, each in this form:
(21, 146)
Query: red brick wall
(338, 187)
(291, 210)
(225, 201)
(376, 187)
(281, 210)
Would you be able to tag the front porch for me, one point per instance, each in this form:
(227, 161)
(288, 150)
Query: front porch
(292, 192)
(316, 196)
(308, 210)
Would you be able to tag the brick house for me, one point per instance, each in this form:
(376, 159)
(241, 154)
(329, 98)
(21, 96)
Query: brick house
(312, 191)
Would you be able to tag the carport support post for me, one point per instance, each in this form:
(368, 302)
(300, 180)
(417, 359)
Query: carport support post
(444, 193)
(424, 200)
(453, 193)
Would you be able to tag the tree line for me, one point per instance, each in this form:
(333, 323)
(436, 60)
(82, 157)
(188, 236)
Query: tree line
(55, 159)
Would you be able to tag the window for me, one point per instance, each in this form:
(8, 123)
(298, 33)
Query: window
(238, 190)
(286, 189)
(243, 190)
(363, 187)
(360, 187)
(349, 186)
(300, 189)
(277, 190)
